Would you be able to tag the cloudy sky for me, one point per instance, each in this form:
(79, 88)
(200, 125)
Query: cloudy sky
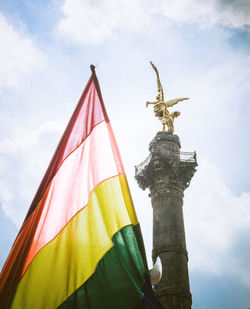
(202, 51)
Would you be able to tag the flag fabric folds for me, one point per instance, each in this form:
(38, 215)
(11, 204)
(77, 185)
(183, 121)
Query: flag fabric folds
(80, 245)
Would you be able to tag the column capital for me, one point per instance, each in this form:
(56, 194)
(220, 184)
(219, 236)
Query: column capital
(166, 164)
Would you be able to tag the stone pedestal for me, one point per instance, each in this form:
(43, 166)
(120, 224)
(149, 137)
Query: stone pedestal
(167, 172)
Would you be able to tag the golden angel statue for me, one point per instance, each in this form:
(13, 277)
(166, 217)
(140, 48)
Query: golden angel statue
(161, 106)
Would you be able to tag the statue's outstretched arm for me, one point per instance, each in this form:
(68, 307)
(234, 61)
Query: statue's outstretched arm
(147, 103)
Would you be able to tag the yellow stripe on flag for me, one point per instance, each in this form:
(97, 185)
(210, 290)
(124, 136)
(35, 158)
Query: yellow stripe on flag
(78, 247)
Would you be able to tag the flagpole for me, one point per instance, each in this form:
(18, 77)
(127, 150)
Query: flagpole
(92, 67)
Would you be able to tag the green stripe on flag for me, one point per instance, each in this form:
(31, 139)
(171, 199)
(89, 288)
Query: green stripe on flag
(117, 280)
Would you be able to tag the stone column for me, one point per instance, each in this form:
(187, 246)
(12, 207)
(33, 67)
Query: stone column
(167, 173)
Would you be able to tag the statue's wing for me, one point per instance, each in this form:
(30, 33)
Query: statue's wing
(175, 101)
(159, 86)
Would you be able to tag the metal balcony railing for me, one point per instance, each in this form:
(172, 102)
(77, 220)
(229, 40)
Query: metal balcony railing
(184, 157)
(141, 166)
(188, 157)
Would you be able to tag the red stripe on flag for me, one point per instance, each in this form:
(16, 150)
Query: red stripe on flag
(90, 111)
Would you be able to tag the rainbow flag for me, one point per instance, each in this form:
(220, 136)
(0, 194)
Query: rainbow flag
(80, 245)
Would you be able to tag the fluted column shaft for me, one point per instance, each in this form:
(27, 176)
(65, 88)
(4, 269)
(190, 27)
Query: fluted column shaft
(170, 245)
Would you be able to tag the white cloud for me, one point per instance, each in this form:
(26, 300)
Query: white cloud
(18, 55)
(233, 14)
(24, 159)
(88, 22)
(215, 220)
